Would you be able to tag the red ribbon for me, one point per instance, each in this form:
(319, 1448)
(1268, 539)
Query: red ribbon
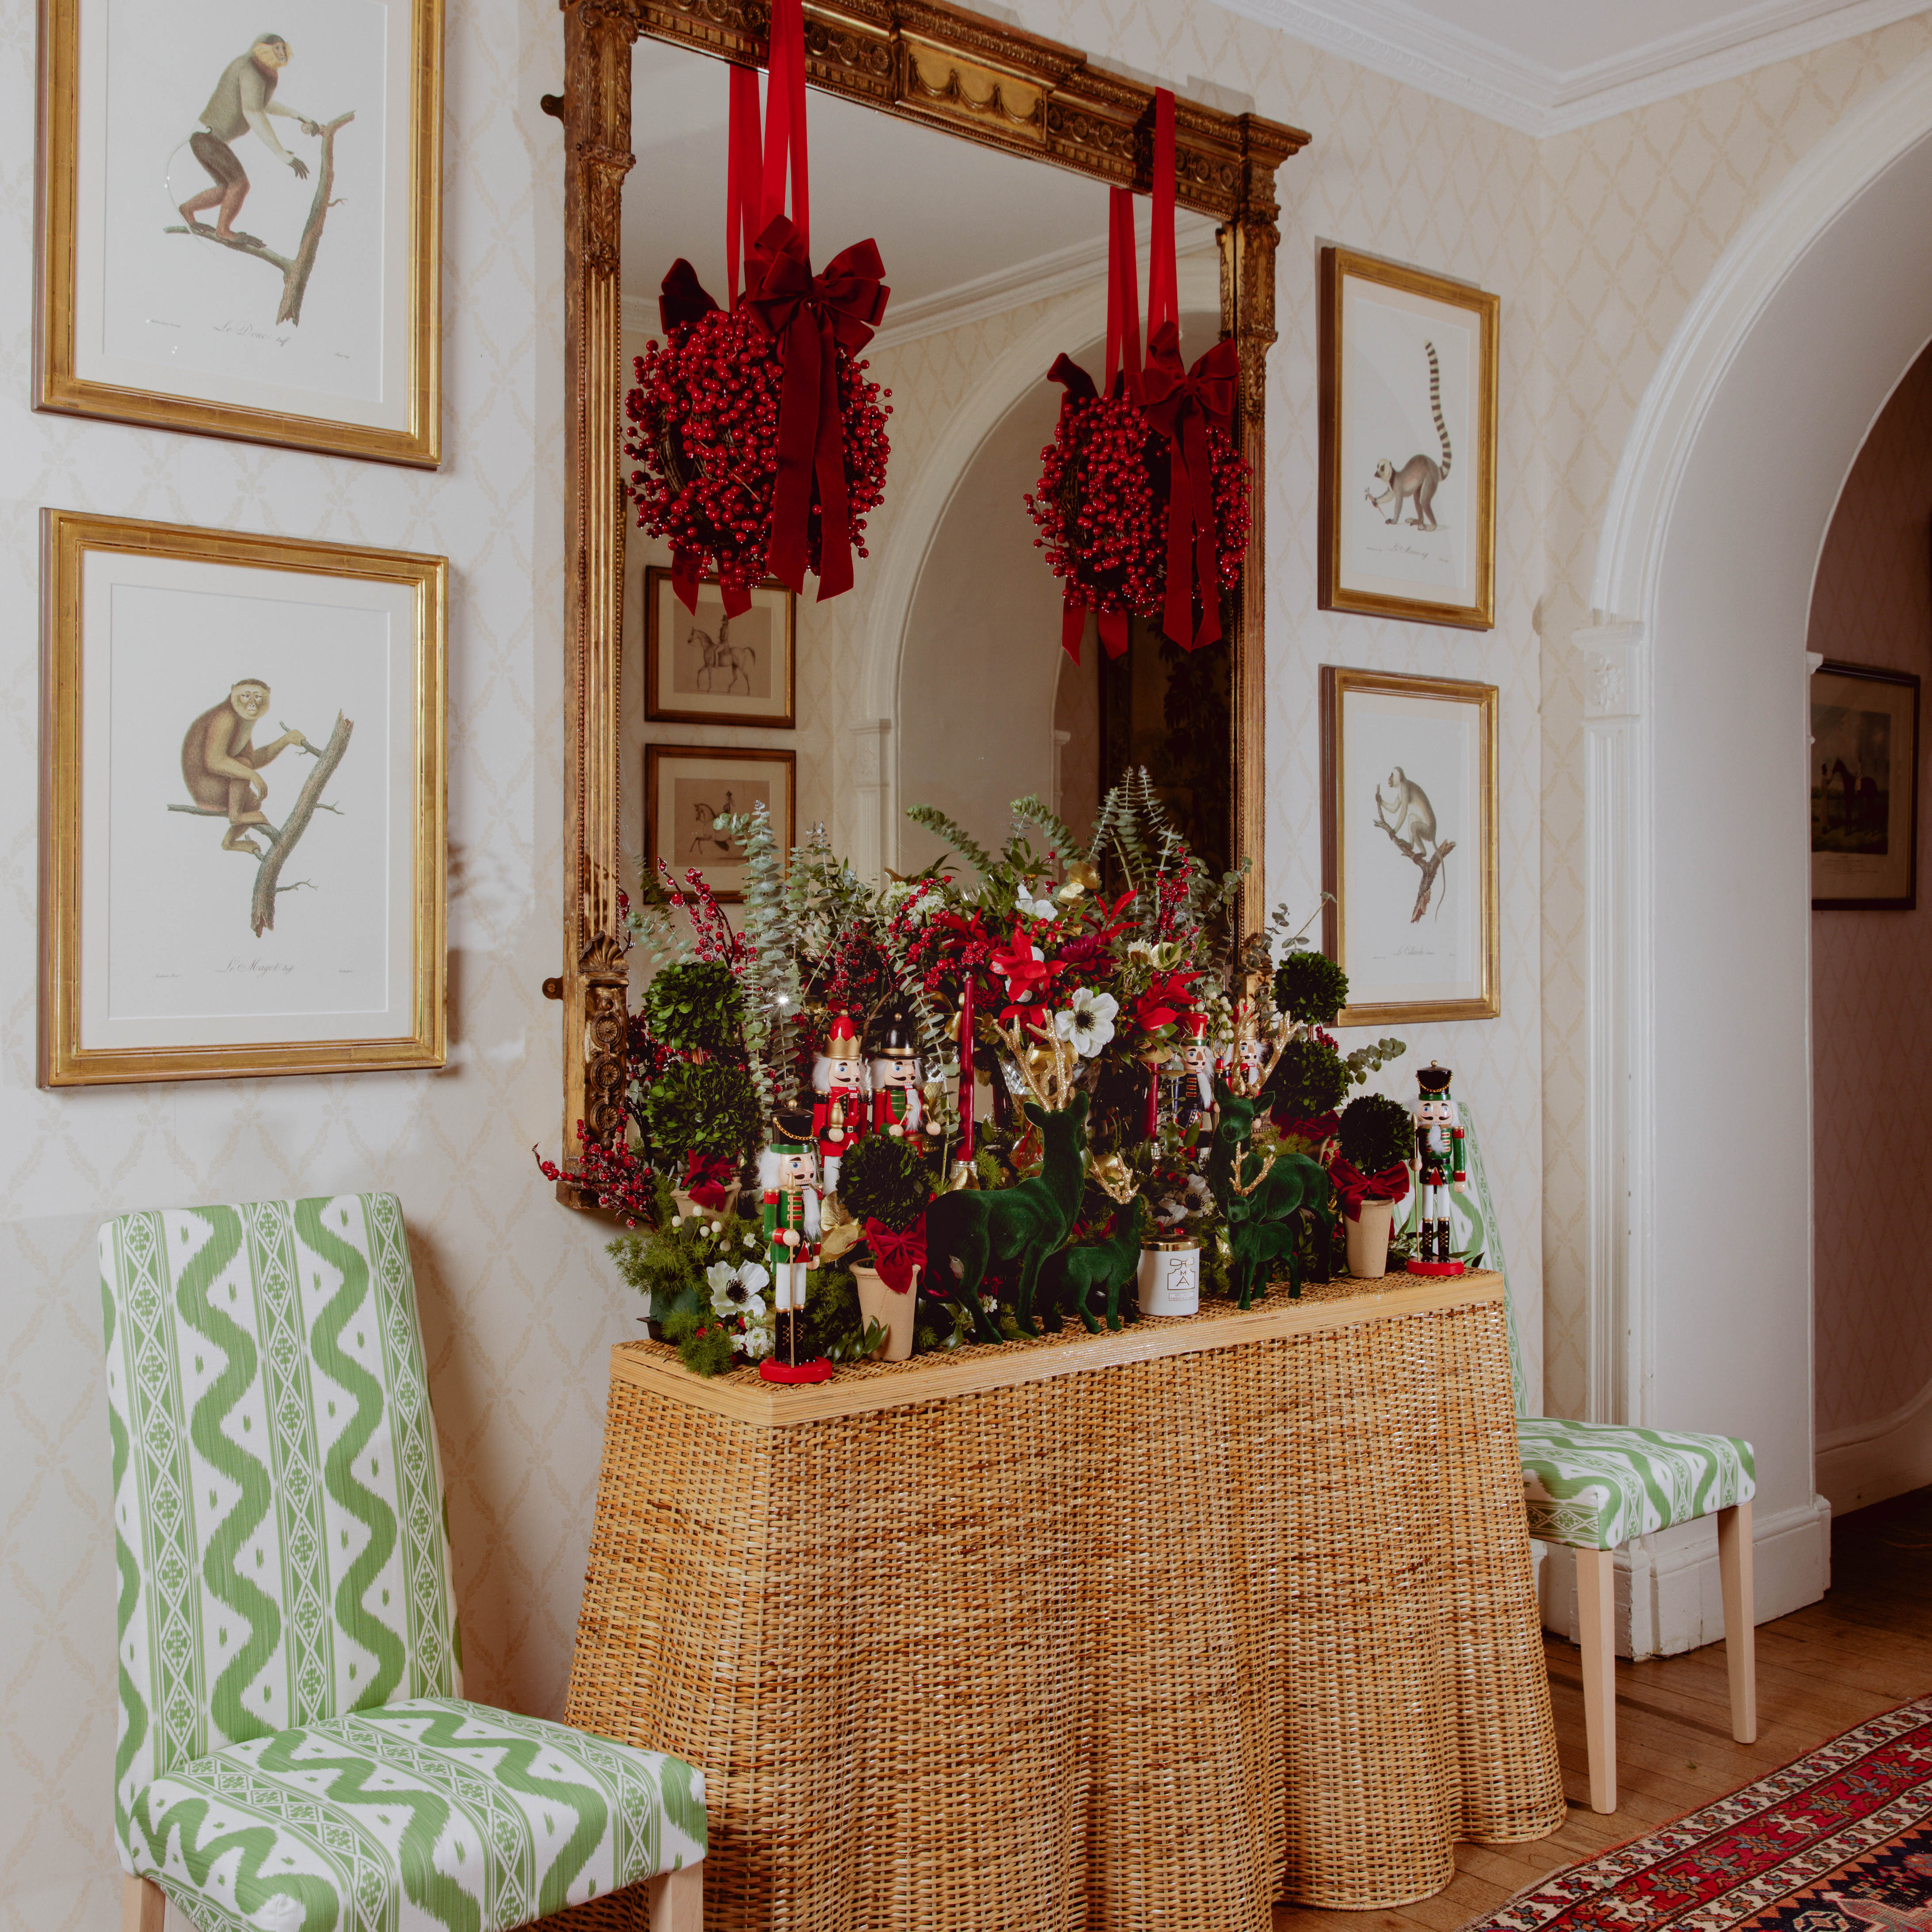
(1353, 1187)
(708, 1179)
(811, 318)
(896, 1255)
(1181, 403)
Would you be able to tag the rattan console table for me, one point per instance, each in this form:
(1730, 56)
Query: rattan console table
(1133, 1633)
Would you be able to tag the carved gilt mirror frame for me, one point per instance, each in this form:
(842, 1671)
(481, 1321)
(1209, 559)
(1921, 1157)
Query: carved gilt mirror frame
(943, 68)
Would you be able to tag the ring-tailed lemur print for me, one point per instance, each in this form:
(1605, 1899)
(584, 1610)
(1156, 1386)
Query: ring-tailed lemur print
(1420, 476)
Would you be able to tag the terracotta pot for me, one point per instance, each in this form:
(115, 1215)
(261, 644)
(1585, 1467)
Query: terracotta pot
(1169, 1280)
(892, 1311)
(1368, 1240)
(687, 1206)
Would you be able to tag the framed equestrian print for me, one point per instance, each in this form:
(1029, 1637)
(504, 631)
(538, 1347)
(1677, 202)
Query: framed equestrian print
(1864, 789)
(704, 667)
(688, 787)
(1407, 498)
(1409, 848)
(239, 229)
(242, 805)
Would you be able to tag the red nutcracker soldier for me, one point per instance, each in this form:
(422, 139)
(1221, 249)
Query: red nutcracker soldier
(1439, 1159)
(788, 1176)
(1190, 1080)
(838, 1115)
(899, 1100)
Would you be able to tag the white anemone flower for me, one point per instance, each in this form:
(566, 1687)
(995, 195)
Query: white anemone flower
(735, 1291)
(1089, 1022)
(755, 1339)
(1043, 907)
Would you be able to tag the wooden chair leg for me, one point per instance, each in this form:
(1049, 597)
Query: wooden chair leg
(1734, 1568)
(1596, 1616)
(143, 1904)
(677, 1900)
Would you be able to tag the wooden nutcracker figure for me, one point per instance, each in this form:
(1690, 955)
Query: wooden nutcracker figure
(839, 1114)
(1439, 1166)
(898, 1097)
(788, 1176)
(1190, 1079)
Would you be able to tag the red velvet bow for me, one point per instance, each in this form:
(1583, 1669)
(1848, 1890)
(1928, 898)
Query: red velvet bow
(896, 1255)
(708, 1179)
(811, 318)
(1181, 403)
(1353, 1187)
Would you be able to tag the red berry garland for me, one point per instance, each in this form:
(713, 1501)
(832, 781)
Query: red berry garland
(704, 417)
(1101, 506)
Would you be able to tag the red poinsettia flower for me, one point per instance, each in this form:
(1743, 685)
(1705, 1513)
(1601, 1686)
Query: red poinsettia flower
(1168, 998)
(1028, 977)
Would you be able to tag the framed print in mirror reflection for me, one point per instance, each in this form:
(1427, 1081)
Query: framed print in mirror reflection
(238, 225)
(241, 815)
(1409, 845)
(1864, 789)
(688, 788)
(704, 667)
(1408, 486)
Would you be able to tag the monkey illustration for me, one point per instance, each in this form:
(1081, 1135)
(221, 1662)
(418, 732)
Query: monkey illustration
(221, 766)
(244, 99)
(1402, 807)
(1420, 477)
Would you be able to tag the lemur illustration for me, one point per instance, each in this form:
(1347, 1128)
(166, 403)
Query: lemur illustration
(1403, 808)
(1419, 476)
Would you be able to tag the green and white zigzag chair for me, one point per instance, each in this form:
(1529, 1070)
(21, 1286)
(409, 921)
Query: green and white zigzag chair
(294, 1753)
(1592, 1486)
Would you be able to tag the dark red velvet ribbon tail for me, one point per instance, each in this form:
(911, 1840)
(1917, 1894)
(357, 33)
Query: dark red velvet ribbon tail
(1123, 299)
(1072, 626)
(682, 297)
(685, 577)
(1163, 278)
(1113, 625)
(745, 185)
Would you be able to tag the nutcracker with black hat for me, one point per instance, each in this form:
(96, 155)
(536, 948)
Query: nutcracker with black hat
(1439, 1162)
(788, 1177)
(838, 1112)
(898, 1104)
(1189, 1078)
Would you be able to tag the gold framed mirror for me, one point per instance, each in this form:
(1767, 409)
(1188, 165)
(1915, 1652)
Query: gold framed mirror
(936, 66)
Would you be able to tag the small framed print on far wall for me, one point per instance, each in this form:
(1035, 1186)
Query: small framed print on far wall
(1409, 846)
(688, 787)
(1407, 493)
(1864, 789)
(704, 667)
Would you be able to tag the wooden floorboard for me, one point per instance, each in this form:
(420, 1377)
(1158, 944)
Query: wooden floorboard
(1866, 1647)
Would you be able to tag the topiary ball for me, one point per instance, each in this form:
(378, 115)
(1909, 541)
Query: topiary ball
(1376, 1132)
(695, 1007)
(884, 1180)
(1311, 988)
(1310, 1080)
(703, 1107)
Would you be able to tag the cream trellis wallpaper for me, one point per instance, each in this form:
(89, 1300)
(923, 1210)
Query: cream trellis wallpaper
(1596, 241)
(1871, 972)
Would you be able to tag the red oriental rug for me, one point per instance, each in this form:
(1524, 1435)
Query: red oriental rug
(1839, 1841)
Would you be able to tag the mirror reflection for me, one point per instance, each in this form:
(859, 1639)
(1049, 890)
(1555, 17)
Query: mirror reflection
(939, 679)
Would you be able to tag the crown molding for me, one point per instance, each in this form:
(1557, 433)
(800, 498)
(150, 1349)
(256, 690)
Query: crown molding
(1407, 44)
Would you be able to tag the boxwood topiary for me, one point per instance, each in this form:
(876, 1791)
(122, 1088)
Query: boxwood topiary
(884, 1180)
(1376, 1132)
(695, 1007)
(1310, 986)
(702, 1107)
(1310, 1080)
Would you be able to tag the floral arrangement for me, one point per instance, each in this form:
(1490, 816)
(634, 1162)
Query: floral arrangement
(1098, 973)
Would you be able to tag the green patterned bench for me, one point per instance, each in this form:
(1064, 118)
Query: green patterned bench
(295, 1754)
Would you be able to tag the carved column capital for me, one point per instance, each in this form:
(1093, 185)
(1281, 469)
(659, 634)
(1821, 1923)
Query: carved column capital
(1612, 663)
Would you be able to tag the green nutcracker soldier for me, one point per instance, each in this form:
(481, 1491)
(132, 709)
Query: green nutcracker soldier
(788, 1177)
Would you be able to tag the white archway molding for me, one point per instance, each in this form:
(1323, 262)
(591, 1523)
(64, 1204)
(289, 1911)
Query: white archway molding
(1075, 320)
(1697, 898)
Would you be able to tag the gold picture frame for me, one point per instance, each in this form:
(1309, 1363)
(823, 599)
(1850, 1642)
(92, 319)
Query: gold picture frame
(686, 786)
(160, 956)
(1409, 765)
(365, 381)
(682, 683)
(1397, 413)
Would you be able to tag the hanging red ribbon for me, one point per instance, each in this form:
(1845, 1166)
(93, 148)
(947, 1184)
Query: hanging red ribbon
(1163, 276)
(745, 183)
(897, 1256)
(1353, 1187)
(1123, 297)
(1182, 403)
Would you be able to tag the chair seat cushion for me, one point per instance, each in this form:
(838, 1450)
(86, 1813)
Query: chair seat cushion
(430, 1814)
(1595, 1485)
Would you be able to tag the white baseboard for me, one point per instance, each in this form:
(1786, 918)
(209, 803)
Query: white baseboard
(1669, 1597)
(1873, 1460)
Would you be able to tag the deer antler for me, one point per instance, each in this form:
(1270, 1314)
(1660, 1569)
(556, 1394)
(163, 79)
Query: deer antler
(1115, 1178)
(1052, 1084)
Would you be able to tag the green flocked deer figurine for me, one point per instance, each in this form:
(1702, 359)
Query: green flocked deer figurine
(1259, 1194)
(1023, 1224)
(1069, 1277)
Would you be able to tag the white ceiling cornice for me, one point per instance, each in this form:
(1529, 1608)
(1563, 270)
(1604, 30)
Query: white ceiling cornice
(1409, 44)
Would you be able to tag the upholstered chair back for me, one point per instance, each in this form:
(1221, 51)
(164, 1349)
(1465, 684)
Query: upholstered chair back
(278, 1501)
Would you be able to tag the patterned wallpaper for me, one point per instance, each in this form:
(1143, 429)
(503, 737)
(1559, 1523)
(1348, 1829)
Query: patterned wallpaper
(1596, 241)
(1871, 972)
